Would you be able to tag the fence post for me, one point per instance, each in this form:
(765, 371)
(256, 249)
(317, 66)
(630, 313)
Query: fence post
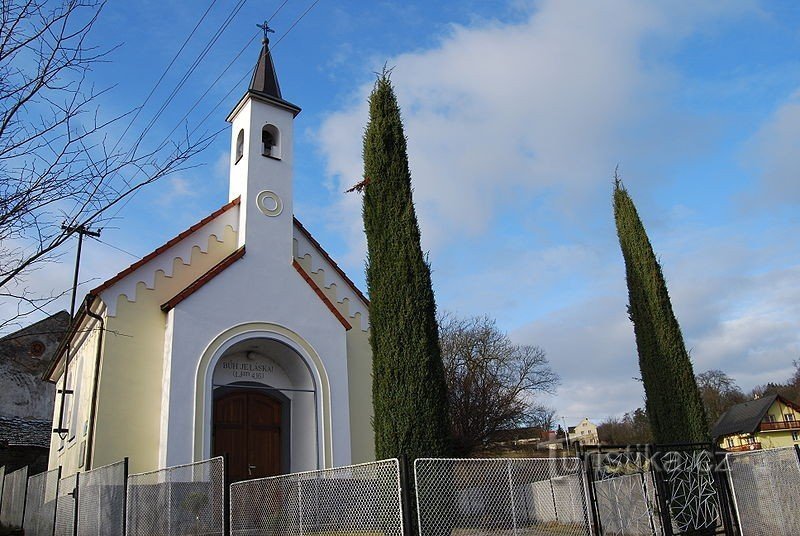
(553, 493)
(647, 503)
(125, 496)
(226, 497)
(593, 510)
(733, 493)
(24, 496)
(2, 486)
(406, 497)
(730, 510)
(75, 493)
(55, 510)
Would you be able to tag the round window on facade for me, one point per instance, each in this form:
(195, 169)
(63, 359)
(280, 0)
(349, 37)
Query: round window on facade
(37, 349)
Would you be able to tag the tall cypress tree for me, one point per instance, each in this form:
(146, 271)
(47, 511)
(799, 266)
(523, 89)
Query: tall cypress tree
(673, 400)
(409, 389)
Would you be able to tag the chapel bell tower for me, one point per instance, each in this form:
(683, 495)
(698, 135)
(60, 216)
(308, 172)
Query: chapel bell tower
(261, 163)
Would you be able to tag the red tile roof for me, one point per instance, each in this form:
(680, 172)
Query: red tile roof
(324, 253)
(195, 285)
(158, 251)
(322, 295)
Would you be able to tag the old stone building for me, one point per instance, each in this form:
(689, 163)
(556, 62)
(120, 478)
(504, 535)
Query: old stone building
(26, 402)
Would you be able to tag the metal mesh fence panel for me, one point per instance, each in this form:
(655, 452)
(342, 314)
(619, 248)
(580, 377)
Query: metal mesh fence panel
(65, 506)
(625, 493)
(356, 499)
(12, 507)
(101, 501)
(766, 487)
(182, 500)
(40, 503)
(536, 497)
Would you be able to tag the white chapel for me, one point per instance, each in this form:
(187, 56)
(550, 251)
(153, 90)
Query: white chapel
(239, 336)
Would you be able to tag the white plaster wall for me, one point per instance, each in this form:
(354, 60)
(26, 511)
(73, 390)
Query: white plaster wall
(255, 173)
(344, 293)
(255, 290)
(165, 261)
(262, 287)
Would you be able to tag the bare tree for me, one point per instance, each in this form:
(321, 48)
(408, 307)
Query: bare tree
(719, 392)
(58, 167)
(492, 383)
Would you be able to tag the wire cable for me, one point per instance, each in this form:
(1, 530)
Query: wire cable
(163, 75)
(205, 118)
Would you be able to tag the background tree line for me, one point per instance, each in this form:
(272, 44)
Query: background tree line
(718, 391)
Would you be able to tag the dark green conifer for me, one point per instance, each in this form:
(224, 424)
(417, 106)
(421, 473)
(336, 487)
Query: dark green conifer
(409, 389)
(673, 400)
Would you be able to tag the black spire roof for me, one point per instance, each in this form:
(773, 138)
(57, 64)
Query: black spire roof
(264, 84)
(265, 81)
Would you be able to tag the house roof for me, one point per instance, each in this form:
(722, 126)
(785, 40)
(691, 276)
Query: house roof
(322, 296)
(195, 285)
(202, 280)
(318, 246)
(161, 249)
(27, 432)
(91, 295)
(55, 324)
(744, 418)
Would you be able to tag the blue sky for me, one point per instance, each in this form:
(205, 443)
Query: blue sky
(517, 113)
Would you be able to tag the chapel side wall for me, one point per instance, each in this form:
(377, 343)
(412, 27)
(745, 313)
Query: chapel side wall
(130, 390)
(359, 350)
(69, 453)
(359, 372)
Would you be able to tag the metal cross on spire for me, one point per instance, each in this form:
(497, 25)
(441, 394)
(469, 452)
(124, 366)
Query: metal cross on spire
(267, 31)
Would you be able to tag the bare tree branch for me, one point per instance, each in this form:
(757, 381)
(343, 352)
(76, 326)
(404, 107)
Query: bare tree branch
(492, 383)
(56, 162)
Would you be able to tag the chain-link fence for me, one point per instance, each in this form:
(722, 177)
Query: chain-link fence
(766, 487)
(65, 506)
(182, 500)
(356, 499)
(537, 497)
(40, 503)
(101, 500)
(12, 506)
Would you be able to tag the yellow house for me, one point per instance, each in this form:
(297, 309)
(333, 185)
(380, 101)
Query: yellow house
(765, 423)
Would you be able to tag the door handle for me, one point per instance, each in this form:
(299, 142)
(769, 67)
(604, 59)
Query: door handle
(250, 470)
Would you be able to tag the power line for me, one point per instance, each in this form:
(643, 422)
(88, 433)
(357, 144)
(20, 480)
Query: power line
(112, 246)
(192, 68)
(242, 79)
(205, 118)
(164, 74)
(177, 88)
(230, 64)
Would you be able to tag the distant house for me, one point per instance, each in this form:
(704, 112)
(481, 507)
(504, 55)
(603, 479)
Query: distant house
(584, 433)
(26, 402)
(529, 435)
(765, 423)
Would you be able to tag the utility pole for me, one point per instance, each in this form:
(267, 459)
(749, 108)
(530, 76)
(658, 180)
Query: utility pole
(81, 230)
(566, 430)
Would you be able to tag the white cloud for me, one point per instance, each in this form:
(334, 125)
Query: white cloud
(501, 111)
(775, 153)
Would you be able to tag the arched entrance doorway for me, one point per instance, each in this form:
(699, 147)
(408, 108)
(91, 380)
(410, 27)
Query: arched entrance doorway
(263, 406)
(249, 426)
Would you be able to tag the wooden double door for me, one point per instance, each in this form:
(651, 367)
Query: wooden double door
(247, 427)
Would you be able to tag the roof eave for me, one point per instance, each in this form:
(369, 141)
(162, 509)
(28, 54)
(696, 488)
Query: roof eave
(48, 374)
(262, 97)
